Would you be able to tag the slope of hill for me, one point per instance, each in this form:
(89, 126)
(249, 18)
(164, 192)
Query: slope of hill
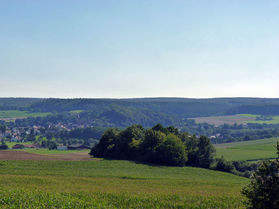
(182, 107)
(16, 103)
(258, 109)
(248, 150)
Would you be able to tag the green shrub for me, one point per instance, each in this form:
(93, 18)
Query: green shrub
(263, 190)
(3, 147)
(223, 165)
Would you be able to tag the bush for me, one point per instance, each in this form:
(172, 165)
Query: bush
(52, 145)
(171, 152)
(3, 147)
(223, 165)
(243, 166)
(263, 190)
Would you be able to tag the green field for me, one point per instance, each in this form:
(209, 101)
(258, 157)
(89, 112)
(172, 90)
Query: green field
(248, 150)
(11, 144)
(76, 111)
(238, 119)
(115, 184)
(12, 114)
(42, 151)
(275, 119)
(45, 151)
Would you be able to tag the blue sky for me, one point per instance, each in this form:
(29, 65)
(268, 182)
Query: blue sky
(139, 48)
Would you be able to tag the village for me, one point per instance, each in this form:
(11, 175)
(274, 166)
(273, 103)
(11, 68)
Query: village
(38, 137)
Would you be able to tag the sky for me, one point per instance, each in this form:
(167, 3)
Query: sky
(139, 48)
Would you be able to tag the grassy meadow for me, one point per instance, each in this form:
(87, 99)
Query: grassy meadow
(238, 119)
(275, 119)
(115, 184)
(248, 150)
(11, 114)
(11, 144)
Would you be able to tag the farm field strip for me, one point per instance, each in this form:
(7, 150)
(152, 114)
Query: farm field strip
(23, 155)
(248, 150)
(228, 119)
(14, 114)
(45, 151)
(232, 119)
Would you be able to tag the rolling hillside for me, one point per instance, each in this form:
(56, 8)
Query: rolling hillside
(248, 150)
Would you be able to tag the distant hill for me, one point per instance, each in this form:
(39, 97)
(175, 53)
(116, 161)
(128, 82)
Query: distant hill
(257, 109)
(175, 107)
(121, 113)
(16, 103)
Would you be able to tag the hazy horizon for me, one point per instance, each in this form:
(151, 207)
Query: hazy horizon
(138, 97)
(137, 49)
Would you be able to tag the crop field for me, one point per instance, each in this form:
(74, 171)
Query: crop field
(14, 114)
(102, 183)
(238, 119)
(24, 155)
(248, 150)
(274, 120)
(226, 119)
(43, 151)
(54, 152)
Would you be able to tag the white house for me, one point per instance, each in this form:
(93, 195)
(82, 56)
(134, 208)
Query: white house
(62, 147)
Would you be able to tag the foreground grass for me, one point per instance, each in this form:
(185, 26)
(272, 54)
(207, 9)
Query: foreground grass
(248, 150)
(114, 184)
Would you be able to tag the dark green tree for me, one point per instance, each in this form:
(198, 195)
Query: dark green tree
(223, 165)
(191, 143)
(148, 147)
(129, 141)
(205, 153)
(200, 151)
(52, 145)
(3, 145)
(2, 128)
(171, 152)
(263, 190)
(107, 144)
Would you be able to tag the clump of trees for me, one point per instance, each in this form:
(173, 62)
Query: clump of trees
(3, 146)
(263, 190)
(159, 145)
(50, 144)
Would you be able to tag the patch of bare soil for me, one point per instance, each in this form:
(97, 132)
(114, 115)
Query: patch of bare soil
(21, 155)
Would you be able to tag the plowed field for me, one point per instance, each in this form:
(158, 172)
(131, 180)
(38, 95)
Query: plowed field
(21, 155)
